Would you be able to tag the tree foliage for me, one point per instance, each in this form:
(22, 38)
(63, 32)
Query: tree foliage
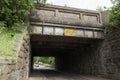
(115, 2)
(40, 1)
(46, 60)
(13, 11)
(115, 14)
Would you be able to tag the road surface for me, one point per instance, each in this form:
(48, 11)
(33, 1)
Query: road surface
(46, 73)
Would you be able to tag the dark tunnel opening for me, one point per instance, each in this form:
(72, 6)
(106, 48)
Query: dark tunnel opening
(70, 57)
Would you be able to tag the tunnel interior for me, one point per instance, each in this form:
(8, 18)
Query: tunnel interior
(71, 54)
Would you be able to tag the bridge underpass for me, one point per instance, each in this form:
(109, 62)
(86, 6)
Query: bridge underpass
(72, 54)
(72, 36)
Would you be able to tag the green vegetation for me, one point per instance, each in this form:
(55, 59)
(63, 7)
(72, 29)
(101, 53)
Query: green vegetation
(13, 14)
(115, 14)
(14, 11)
(45, 60)
(8, 37)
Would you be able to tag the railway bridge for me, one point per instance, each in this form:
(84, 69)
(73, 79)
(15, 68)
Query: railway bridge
(75, 37)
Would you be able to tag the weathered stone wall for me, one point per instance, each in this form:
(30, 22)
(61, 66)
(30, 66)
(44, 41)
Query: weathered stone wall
(90, 60)
(23, 60)
(110, 51)
(19, 69)
(7, 70)
(84, 60)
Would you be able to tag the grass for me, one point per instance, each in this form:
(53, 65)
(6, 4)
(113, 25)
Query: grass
(7, 45)
(8, 39)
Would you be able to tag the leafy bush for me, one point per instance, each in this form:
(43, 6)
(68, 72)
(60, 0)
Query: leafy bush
(8, 37)
(46, 60)
(2, 27)
(115, 14)
(14, 11)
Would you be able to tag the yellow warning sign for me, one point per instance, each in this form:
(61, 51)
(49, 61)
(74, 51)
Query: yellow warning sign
(70, 32)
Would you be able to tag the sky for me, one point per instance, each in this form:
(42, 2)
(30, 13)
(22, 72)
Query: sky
(83, 4)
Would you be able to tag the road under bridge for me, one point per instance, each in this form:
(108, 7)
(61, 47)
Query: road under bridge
(74, 37)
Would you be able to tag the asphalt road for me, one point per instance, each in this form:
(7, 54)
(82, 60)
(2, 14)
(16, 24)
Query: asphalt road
(46, 73)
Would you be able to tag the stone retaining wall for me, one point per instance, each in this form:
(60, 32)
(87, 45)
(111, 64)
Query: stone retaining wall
(19, 69)
(7, 70)
(110, 50)
(23, 60)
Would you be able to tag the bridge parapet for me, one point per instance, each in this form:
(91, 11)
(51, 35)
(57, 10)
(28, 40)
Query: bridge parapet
(65, 21)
